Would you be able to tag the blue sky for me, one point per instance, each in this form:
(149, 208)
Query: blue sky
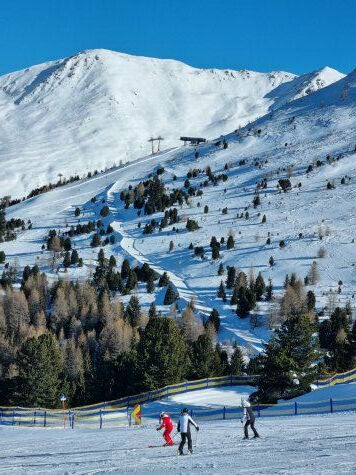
(264, 35)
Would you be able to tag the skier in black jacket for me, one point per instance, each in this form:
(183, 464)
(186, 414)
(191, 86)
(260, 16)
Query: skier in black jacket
(249, 417)
(184, 428)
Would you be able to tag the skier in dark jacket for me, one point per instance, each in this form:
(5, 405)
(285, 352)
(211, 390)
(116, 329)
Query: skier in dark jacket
(249, 417)
(184, 428)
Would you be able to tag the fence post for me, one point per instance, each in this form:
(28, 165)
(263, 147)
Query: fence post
(34, 418)
(45, 419)
(224, 413)
(331, 405)
(295, 408)
(73, 420)
(13, 418)
(207, 382)
(230, 379)
(101, 418)
(258, 410)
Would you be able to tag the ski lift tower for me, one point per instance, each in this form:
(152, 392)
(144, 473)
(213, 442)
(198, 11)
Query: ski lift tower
(158, 139)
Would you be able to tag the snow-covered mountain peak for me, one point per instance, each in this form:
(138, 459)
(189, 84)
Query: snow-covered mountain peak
(99, 107)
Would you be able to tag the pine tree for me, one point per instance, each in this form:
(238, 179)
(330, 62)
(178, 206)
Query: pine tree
(66, 260)
(214, 318)
(131, 282)
(214, 242)
(133, 311)
(231, 276)
(95, 242)
(206, 209)
(125, 269)
(112, 261)
(2, 257)
(203, 358)
(152, 312)
(234, 297)
(104, 211)
(310, 300)
(74, 258)
(260, 286)
(170, 296)
(101, 257)
(67, 244)
(341, 356)
(215, 252)
(269, 291)
(237, 361)
(291, 351)
(246, 301)
(162, 354)
(171, 246)
(221, 366)
(40, 372)
(221, 269)
(192, 225)
(150, 286)
(230, 244)
(221, 292)
(271, 261)
(163, 280)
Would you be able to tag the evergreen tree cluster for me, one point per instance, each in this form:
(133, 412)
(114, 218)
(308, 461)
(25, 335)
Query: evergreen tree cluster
(244, 294)
(9, 228)
(75, 338)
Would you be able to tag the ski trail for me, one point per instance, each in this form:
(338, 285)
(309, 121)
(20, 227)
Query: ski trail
(244, 337)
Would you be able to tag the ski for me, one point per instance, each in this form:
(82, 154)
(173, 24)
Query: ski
(155, 446)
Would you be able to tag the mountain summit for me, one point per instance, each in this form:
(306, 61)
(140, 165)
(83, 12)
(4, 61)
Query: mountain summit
(99, 108)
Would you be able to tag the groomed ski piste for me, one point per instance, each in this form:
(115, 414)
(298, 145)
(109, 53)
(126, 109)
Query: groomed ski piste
(316, 444)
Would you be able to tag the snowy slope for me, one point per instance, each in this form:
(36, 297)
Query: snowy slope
(306, 218)
(99, 107)
(318, 444)
(289, 445)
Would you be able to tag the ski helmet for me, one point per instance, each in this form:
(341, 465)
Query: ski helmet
(185, 411)
(244, 403)
(162, 414)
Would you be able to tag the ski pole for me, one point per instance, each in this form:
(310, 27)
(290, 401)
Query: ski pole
(196, 439)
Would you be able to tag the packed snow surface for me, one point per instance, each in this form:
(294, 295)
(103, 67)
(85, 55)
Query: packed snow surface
(99, 107)
(288, 445)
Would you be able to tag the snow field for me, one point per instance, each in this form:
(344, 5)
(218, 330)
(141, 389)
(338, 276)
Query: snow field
(312, 127)
(100, 107)
(291, 445)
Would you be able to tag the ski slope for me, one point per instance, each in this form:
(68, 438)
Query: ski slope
(290, 445)
(307, 217)
(99, 108)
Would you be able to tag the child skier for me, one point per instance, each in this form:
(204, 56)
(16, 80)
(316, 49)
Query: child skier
(167, 425)
(184, 428)
(249, 417)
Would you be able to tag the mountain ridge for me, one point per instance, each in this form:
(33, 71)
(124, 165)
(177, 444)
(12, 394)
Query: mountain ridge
(99, 108)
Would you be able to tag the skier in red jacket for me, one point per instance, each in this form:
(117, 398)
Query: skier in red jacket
(167, 425)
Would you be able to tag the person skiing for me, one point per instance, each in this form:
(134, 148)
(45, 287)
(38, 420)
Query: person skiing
(249, 417)
(184, 428)
(166, 424)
